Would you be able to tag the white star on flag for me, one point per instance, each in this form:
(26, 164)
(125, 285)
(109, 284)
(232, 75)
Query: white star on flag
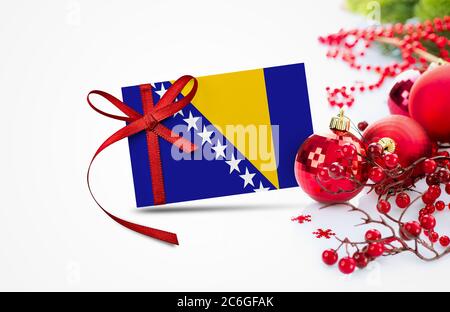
(179, 112)
(248, 178)
(191, 122)
(261, 188)
(219, 149)
(161, 91)
(205, 135)
(234, 164)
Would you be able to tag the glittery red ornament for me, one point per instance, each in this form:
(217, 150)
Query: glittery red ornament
(409, 140)
(430, 102)
(399, 95)
(327, 173)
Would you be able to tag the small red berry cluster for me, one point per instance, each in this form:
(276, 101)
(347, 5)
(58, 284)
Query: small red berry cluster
(372, 249)
(341, 169)
(409, 39)
(436, 173)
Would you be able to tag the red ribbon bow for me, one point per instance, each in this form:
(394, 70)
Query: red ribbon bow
(150, 122)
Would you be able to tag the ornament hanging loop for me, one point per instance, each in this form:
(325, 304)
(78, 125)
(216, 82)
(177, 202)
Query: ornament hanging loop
(340, 122)
(388, 144)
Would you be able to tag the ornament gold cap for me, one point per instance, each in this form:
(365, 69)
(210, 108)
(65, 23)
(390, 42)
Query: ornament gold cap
(340, 122)
(388, 144)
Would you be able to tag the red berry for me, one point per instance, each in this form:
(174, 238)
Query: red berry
(383, 206)
(336, 170)
(443, 175)
(428, 198)
(432, 179)
(444, 241)
(423, 211)
(360, 259)
(339, 157)
(374, 150)
(434, 190)
(390, 160)
(430, 209)
(330, 256)
(428, 222)
(379, 190)
(375, 249)
(402, 200)
(349, 150)
(404, 235)
(433, 237)
(362, 125)
(447, 188)
(347, 265)
(372, 235)
(323, 174)
(412, 229)
(376, 174)
(440, 205)
(429, 166)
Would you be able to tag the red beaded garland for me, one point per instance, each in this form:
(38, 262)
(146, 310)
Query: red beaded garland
(352, 44)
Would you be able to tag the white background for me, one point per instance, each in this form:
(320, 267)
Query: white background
(52, 235)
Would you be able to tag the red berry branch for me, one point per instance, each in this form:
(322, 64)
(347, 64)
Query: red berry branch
(392, 182)
(407, 238)
(350, 46)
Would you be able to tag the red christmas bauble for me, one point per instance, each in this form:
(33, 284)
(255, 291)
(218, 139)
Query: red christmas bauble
(411, 140)
(429, 102)
(399, 95)
(325, 162)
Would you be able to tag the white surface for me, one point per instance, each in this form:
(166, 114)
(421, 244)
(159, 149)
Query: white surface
(53, 237)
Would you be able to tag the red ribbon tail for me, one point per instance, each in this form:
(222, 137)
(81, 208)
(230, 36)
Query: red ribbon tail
(168, 237)
(161, 235)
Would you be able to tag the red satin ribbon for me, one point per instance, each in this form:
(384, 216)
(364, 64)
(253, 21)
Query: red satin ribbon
(150, 122)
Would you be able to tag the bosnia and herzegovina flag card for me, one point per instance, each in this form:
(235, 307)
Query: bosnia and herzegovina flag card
(248, 126)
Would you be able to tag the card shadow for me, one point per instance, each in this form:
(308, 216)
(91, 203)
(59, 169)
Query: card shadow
(215, 208)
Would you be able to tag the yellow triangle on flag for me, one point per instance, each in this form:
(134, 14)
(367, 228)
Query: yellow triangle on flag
(236, 104)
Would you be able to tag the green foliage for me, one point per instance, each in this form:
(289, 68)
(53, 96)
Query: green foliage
(391, 11)
(394, 11)
(429, 9)
(357, 6)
